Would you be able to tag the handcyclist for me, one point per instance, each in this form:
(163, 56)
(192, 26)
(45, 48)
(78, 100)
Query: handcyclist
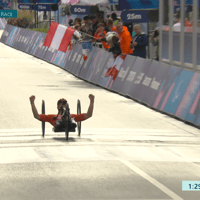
(62, 103)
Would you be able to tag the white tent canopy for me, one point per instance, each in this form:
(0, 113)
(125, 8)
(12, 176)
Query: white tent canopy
(84, 2)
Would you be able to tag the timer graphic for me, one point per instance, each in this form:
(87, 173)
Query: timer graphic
(191, 185)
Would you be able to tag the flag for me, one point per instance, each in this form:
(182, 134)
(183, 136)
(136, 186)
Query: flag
(58, 36)
(86, 47)
(113, 71)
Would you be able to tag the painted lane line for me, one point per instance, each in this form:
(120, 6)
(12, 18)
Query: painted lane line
(151, 180)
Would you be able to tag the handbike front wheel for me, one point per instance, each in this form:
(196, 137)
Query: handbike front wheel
(43, 123)
(67, 122)
(79, 112)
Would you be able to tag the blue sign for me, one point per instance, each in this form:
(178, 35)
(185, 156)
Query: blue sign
(8, 13)
(26, 7)
(43, 7)
(178, 9)
(113, 1)
(5, 4)
(38, 1)
(80, 10)
(138, 16)
(138, 4)
(189, 2)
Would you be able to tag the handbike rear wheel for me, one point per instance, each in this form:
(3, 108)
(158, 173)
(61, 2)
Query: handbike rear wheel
(79, 112)
(67, 123)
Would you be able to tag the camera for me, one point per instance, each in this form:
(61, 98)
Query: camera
(156, 33)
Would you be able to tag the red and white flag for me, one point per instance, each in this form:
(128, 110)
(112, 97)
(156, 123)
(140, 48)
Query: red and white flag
(58, 36)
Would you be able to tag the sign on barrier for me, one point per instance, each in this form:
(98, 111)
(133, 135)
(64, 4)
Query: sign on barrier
(6, 33)
(123, 73)
(152, 81)
(85, 67)
(100, 63)
(93, 64)
(188, 104)
(3, 23)
(166, 87)
(13, 35)
(32, 35)
(131, 86)
(177, 91)
(103, 80)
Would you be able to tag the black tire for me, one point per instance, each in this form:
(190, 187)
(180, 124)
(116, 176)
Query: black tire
(43, 123)
(67, 122)
(79, 112)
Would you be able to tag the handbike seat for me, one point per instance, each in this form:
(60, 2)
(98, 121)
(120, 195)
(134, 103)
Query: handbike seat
(63, 129)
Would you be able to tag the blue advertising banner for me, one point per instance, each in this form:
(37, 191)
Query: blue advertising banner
(103, 80)
(188, 106)
(77, 61)
(6, 33)
(86, 64)
(13, 35)
(40, 50)
(32, 37)
(80, 10)
(36, 44)
(75, 57)
(131, 86)
(138, 4)
(177, 91)
(99, 66)
(3, 23)
(93, 63)
(166, 87)
(123, 73)
(152, 81)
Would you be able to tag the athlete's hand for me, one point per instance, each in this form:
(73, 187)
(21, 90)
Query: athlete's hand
(91, 97)
(32, 99)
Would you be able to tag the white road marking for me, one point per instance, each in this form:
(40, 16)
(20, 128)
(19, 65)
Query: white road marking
(151, 180)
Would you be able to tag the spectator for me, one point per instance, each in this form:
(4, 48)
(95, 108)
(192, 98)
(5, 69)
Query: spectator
(139, 42)
(77, 27)
(87, 21)
(108, 16)
(114, 17)
(115, 47)
(177, 25)
(155, 41)
(94, 23)
(77, 21)
(101, 35)
(110, 26)
(124, 38)
(101, 19)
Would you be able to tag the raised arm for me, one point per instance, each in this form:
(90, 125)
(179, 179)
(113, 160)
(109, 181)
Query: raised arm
(90, 109)
(34, 110)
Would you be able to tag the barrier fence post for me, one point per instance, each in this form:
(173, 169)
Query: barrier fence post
(171, 16)
(160, 28)
(182, 41)
(194, 35)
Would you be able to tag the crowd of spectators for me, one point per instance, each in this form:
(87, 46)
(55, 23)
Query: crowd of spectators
(111, 33)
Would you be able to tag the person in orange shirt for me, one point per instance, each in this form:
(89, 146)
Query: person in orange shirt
(100, 35)
(124, 37)
(53, 119)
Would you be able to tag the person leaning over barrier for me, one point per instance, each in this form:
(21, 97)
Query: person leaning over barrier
(155, 41)
(139, 42)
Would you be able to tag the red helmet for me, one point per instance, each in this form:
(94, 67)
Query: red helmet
(63, 101)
